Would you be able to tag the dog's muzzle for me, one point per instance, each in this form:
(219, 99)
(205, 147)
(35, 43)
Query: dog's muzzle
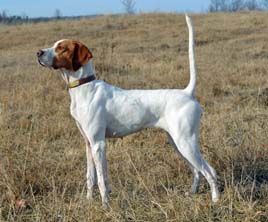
(39, 55)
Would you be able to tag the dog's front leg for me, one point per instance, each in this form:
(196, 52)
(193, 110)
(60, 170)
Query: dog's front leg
(91, 170)
(99, 156)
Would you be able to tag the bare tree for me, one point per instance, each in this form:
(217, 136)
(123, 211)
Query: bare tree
(57, 14)
(4, 14)
(252, 5)
(129, 6)
(218, 6)
(265, 3)
(214, 6)
(225, 6)
(237, 5)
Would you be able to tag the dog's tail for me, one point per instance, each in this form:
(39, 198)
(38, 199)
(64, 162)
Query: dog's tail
(190, 89)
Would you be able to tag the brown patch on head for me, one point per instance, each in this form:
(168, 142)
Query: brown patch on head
(71, 55)
(64, 53)
(81, 55)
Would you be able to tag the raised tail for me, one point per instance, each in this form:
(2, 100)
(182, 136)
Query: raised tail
(190, 89)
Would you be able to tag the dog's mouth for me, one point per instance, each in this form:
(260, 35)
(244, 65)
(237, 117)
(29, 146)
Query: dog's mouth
(41, 63)
(44, 64)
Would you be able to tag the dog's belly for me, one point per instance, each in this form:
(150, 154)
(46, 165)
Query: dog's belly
(128, 114)
(120, 132)
(131, 120)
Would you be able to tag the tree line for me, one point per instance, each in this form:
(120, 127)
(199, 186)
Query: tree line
(237, 5)
(8, 19)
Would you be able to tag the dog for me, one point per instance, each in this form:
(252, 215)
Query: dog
(103, 111)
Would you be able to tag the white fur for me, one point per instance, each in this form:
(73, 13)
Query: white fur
(102, 110)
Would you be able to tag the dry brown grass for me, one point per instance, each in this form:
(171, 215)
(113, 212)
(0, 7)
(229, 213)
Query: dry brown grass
(42, 155)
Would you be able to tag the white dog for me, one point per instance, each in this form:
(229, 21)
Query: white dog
(102, 110)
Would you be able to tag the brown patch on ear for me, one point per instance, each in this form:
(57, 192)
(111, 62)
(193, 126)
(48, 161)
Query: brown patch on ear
(81, 55)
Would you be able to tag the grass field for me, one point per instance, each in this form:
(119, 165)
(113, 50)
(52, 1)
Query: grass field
(42, 154)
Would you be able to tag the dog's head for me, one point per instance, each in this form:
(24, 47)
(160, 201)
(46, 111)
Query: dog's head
(67, 54)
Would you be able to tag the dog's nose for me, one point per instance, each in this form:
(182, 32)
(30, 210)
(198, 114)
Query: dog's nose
(40, 53)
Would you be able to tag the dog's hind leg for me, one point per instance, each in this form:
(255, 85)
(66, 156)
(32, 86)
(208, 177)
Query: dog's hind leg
(195, 171)
(188, 147)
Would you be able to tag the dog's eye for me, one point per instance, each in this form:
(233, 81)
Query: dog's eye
(60, 47)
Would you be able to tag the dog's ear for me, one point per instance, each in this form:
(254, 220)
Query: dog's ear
(81, 55)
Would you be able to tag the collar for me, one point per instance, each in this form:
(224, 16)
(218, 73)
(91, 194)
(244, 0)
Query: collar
(80, 82)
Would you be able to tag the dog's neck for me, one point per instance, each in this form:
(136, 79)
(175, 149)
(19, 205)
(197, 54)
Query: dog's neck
(84, 72)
